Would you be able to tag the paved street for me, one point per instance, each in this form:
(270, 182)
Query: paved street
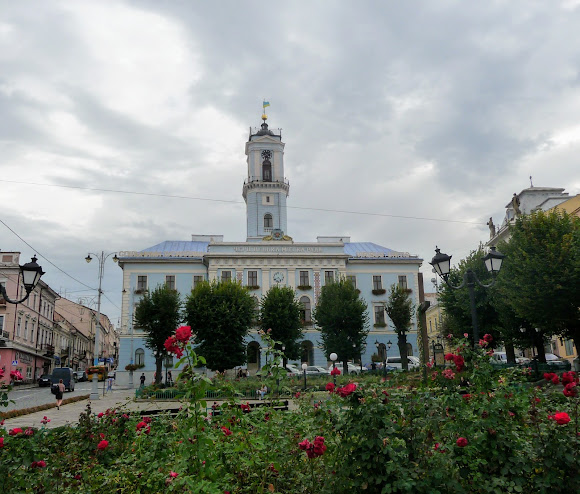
(27, 397)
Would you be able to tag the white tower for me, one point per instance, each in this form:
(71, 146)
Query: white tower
(265, 189)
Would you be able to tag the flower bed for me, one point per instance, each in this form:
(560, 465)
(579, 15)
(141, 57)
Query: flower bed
(471, 430)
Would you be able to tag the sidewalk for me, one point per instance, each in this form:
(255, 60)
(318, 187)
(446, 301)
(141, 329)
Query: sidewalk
(69, 413)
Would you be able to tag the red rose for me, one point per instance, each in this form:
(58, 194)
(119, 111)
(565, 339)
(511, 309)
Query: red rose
(183, 334)
(1, 442)
(561, 418)
(461, 442)
(335, 371)
(330, 387)
(449, 356)
(16, 430)
(487, 337)
(173, 474)
(304, 445)
(570, 390)
(346, 390)
(555, 379)
(226, 431)
(569, 377)
(103, 445)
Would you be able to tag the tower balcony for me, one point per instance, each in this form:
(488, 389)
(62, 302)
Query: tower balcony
(254, 183)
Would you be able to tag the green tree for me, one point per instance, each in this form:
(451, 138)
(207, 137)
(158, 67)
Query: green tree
(399, 308)
(456, 304)
(540, 277)
(220, 315)
(159, 314)
(280, 311)
(342, 318)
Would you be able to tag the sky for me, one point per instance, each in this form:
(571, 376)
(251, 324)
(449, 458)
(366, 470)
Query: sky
(407, 124)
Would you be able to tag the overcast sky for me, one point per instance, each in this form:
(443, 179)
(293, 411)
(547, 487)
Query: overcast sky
(437, 109)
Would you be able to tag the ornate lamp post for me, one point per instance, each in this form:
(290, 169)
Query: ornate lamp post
(442, 265)
(101, 258)
(31, 273)
(304, 366)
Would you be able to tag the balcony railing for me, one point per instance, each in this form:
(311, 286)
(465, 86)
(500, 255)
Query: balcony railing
(48, 349)
(4, 335)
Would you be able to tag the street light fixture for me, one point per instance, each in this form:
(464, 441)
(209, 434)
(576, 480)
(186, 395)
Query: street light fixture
(333, 356)
(31, 273)
(304, 366)
(442, 265)
(101, 258)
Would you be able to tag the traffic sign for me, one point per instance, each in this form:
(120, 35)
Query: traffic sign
(15, 362)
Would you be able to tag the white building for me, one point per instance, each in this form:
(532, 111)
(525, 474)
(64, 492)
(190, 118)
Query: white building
(269, 256)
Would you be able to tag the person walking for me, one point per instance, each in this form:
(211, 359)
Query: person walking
(59, 392)
(142, 379)
(110, 383)
(169, 379)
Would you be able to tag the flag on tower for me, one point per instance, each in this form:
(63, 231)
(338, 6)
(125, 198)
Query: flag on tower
(265, 104)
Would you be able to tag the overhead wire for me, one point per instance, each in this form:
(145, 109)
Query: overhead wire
(231, 201)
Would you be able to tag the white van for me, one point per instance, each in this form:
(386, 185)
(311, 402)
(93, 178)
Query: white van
(414, 362)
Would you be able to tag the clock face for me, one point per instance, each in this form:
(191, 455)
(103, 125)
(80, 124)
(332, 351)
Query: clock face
(266, 154)
(278, 277)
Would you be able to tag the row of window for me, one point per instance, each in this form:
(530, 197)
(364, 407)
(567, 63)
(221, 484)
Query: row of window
(304, 280)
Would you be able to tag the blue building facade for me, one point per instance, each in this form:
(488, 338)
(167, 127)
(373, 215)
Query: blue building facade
(270, 257)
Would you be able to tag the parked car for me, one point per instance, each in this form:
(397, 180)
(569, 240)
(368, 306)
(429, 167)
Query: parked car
(316, 370)
(554, 362)
(81, 376)
(67, 376)
(44, 380)
(413, 362)
(499, 359)
(352, 368)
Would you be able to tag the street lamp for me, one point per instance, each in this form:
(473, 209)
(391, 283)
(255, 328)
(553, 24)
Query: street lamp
(31, 273)
(433, 346)
(442, 265)
(101, 258)
(304, 366)
(333, 356)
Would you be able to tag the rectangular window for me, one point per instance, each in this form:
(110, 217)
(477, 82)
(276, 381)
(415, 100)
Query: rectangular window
(352, 279)
(304, 281)
(377, 283)
(328, 277)
(226, 276)
(252, 278)
(18, 326)
(379, 314)
(32, 333)
(403, 282)
(569, 347)
(170, 281)
(197, 279)
(141, 283)
(29, 373)
(25, 330)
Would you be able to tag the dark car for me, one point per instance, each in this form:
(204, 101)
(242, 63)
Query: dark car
(44, 380)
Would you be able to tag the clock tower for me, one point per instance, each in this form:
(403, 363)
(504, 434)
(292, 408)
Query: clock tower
(265, 188)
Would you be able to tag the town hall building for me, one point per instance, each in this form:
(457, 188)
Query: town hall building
(269, 256)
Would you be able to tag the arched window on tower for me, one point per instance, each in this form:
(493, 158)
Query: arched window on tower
(267, 171)
(268, 221)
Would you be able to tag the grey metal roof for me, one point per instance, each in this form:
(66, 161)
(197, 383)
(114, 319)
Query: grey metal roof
(178, 246)
(353, 249)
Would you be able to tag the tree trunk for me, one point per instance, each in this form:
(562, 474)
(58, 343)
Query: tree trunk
(158, 369)
(539, 344)
(402, 342)
(510, 352)
(345, 367)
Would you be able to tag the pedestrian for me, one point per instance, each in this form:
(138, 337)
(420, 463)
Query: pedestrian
(169, 378)
(110, 383)
(59, 392)
(142, 379)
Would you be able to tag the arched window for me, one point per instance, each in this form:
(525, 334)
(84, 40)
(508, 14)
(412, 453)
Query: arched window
(268, 221)
(139, 357)
(267, 171)
(307, 351)
(305, 311)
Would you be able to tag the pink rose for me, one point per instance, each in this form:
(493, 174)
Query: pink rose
(173, 474)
